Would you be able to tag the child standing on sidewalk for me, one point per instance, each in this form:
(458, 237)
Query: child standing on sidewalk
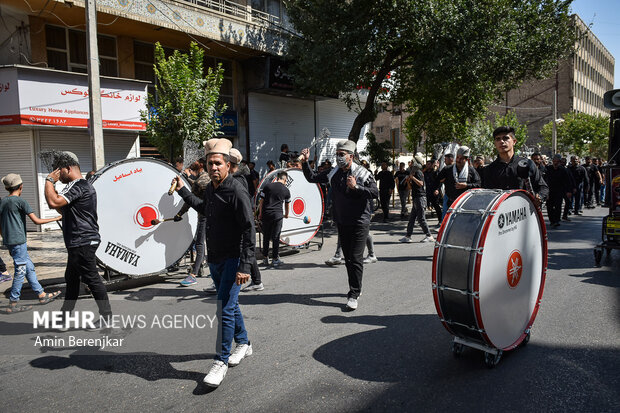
(13, 212)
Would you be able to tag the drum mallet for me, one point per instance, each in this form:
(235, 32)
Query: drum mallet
(159, 221)
(305, 219)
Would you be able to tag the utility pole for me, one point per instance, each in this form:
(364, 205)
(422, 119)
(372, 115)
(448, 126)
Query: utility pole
(554, 136)
(95, 124)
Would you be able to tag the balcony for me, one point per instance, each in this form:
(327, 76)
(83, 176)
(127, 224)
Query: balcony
(243, 12)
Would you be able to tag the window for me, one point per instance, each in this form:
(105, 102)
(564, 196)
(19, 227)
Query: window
(66, 50)
(379, 129)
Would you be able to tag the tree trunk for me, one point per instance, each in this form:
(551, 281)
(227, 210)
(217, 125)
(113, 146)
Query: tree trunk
(368, 113)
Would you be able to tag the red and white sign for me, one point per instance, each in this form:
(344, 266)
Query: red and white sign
(34, 96)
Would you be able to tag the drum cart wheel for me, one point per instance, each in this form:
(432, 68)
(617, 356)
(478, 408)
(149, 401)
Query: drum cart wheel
(526, 340)
(457, 349)
(491, 360)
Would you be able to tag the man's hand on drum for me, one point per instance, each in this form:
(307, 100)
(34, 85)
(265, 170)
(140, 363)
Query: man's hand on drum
(305, 154)
(242, 278)
(179, 182)
(460, 185)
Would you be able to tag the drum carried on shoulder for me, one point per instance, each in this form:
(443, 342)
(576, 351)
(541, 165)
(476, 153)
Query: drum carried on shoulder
(489, 268)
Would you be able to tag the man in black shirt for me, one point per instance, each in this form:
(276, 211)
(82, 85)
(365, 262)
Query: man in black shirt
(230, 251)
(418, 208)
(559, 187)
(593, 179)
(385, 179)
(538, 161)
(431, 181)
(402, 184)
(580, 176)
(77, 203)
(285, 156)
(353, 186)
(459, 177)
(502, 172)
(271, 199)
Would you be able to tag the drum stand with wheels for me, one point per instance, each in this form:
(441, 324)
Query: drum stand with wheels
(492, 355)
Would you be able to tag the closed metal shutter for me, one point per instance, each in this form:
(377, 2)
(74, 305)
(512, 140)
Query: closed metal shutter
(119, 146)
(276, 120)
(334, 115)
(16, 157)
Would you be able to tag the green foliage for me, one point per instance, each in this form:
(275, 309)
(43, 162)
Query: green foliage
(377, 151)
(580, 134)
(454, 56)
(431, 128)
(478, 134)
(186, 105)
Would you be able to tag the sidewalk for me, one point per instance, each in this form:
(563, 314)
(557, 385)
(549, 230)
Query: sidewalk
(47, 251)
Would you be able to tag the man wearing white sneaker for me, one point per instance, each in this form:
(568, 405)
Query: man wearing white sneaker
(353, 186)
(230, 251)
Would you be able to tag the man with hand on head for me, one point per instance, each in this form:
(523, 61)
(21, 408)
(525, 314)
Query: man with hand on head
(230, 251)
(353, 186)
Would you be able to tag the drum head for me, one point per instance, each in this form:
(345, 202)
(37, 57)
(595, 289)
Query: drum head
(305, 210)
(130, 194)
(510, 274)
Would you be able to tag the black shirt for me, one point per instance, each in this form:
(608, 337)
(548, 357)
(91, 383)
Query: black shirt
(416, 190)
(447, 175)
(385, 180)
(350, 206)
(79, 216)
(431, 181)
(230, 222)
(580, 175)
(559, 181)
(274, 195)
(251, 178)
(402, 179)
(502, 175)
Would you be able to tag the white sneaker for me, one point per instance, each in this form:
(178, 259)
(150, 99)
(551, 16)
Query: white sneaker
(253, 287)
(370, 259)
(428, 238)
(241, 351)
(335, 260)
(405, 239)
(352, 303)
(216, 374)
(211, 289)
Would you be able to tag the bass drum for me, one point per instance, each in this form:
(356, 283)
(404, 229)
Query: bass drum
(130, 194)
(305, 210)
(489, 267)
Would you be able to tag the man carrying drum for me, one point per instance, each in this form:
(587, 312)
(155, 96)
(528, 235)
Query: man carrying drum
(503, 173)
(352, 188)
(230, 251)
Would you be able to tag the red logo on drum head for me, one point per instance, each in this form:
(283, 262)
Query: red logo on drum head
(299, 206)
(144, 215)
(514, 269)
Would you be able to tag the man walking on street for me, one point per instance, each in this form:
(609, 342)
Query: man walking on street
(418, 208)
(385, 179)
(460, 177)
(582, 183)
(274, 198)
(230, 250)
(559, 187)
(402, 184)
(77, 203)
(353, 186)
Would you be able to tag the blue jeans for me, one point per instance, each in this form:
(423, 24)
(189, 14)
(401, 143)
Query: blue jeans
(232, 327)
(23, 267)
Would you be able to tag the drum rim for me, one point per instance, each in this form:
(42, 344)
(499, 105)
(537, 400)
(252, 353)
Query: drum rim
(100, 172)
(320, 193)
(476, 275)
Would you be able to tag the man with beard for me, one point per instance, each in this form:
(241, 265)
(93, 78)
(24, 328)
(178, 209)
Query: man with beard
(460, 177)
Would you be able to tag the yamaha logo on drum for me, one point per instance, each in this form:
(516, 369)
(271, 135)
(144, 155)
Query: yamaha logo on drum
(122, 253)
(512, 217)
(500, 221)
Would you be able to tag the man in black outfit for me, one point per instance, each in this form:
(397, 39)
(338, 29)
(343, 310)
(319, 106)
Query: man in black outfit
(77, 203)
(285, 156)
(402, 184)
(559, 187)
(271, 199)
(459, 177)
(385, 179)
(594, 179)
(431, 181)
(502, 172)
(580, 176)
(353, 186)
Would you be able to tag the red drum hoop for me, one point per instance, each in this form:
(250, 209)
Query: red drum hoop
(489, 267)
(130, 194)
(306, 208)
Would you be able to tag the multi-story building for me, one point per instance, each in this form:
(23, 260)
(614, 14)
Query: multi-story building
(43, 81)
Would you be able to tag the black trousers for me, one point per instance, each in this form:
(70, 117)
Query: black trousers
(82, 265)
(255, 272)
(554, 208)
(2, 266)
(567, 202)
(353, 240)
(384, 197)
(433, 200)
(271, 232)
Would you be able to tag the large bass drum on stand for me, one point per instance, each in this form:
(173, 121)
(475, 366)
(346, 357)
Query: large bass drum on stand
(489, 269)
(306, 208)
(130, 194)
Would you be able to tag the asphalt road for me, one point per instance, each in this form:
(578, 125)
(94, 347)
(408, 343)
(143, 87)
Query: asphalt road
(392, 354)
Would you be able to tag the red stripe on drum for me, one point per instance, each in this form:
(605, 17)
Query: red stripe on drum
(434, 273)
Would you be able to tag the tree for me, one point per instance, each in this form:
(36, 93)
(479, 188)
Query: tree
(185, 109)
(448, 55)
(478, 134)
(580, 134)
(377, 151)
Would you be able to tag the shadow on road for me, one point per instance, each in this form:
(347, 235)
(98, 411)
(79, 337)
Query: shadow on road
(304, 299)
(412, 352)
